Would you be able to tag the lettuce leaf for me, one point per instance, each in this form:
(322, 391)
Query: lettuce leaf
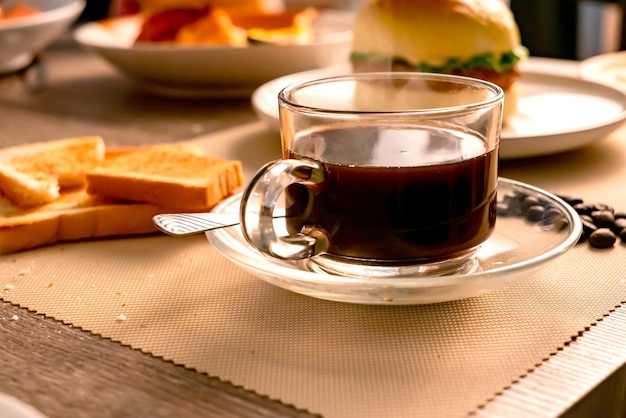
(488, 61)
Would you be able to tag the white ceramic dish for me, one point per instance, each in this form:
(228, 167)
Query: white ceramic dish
(214, 71)
(609, 69)
(516, 249)
(556, 113)
(11, 407)
(22, 38)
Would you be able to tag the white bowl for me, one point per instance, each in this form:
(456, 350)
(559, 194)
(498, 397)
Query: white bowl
(176, 70)
(21, 38)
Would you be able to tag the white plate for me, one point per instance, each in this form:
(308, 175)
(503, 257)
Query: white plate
(516, 249)
(214, 71)
(21, 38)
(609, 69)
(11, 407)
(556, 113)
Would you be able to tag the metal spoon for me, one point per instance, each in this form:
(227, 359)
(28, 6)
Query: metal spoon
(180, 224)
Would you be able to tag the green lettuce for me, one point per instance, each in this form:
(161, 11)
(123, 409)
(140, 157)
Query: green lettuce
(487, 61)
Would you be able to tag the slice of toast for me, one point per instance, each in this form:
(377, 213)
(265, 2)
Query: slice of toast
(180, 176)
(34, 174)
(173, 176)
(75, 215)
(27, 189)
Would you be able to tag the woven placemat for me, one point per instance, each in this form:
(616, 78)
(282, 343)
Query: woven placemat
(179, 299)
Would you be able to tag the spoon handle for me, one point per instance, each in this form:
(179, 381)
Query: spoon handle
(179, 224)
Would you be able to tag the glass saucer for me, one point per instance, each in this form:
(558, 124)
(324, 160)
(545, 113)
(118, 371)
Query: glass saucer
(518, 247)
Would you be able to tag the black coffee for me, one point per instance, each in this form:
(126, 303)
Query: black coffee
(407, 194)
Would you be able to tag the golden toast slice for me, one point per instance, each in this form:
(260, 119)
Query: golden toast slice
(119, 197)
(34, 174)
(75, 215)
(174, 176)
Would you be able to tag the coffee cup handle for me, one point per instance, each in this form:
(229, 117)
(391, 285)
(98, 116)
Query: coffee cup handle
(259, 200)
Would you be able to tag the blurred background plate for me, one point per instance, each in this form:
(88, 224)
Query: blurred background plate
(21, 38)
(11, 407)
(557, 113)
(214, 71)
(609, 68)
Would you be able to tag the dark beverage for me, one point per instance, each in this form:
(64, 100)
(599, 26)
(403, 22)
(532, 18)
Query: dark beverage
(423, 193)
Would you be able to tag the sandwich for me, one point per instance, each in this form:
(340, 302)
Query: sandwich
(474, 38)
(74, 189)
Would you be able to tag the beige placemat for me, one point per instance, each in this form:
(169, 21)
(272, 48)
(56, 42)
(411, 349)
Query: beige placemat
(181, 300)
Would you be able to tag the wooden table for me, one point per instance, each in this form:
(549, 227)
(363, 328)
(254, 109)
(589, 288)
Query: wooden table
(64, 371)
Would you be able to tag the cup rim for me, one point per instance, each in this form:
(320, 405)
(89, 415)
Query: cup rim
(497, 93)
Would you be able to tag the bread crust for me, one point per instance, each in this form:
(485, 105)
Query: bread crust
(181, 178)
(34, 174)
(125, 192)
(75, 216)
(434, 30)
(402, 34)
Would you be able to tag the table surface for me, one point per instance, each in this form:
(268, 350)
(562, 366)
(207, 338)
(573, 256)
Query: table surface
(64, 371)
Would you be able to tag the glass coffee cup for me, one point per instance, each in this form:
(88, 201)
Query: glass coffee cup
(383, 175)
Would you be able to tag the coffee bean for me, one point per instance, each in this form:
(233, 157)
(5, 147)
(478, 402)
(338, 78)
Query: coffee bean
(619, 226)
(588, 227)
(570, 200)
(601, 223)
(513, 202)
(587, 218)
(561, 224)
(603, 218)
(535, 213)
(583, 209)
(602, 238)
(530, 201)
(502, 209)
(602, 207)
(551, 215)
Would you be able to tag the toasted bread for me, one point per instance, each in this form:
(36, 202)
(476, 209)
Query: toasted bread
(27, 189)
(75, 215)
(172, 176)
(130, 186)
(34, 174)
